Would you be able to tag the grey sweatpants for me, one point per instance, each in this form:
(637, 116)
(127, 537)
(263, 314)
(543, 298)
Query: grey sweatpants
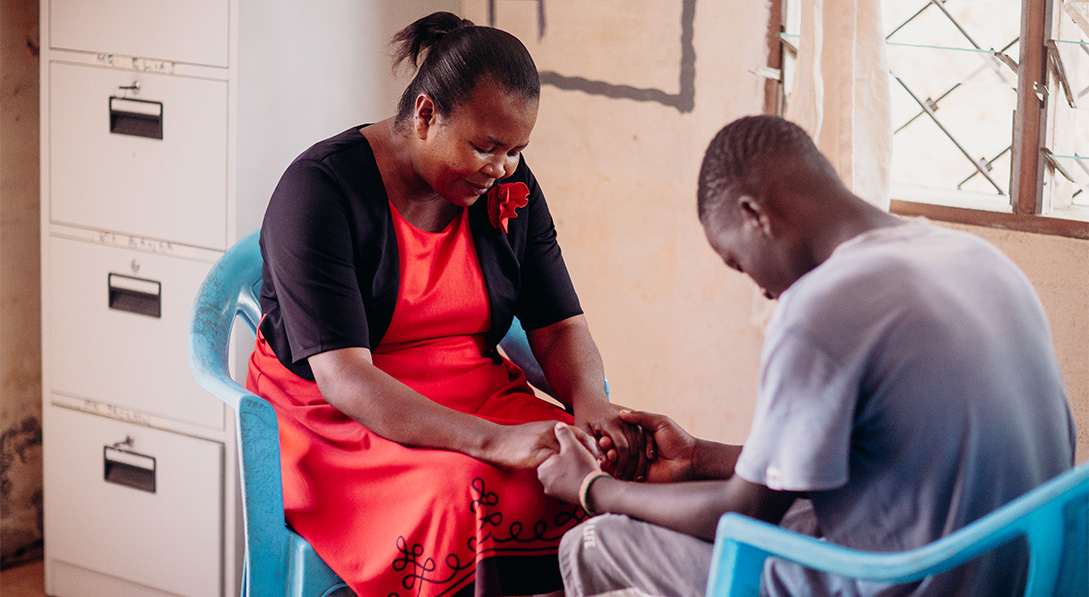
(618, 556)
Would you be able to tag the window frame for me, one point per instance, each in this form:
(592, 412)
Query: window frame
(1028, 164)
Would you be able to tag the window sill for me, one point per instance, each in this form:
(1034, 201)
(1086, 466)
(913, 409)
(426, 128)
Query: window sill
(1071, 222)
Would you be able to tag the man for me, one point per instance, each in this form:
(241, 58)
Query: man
(908, 387)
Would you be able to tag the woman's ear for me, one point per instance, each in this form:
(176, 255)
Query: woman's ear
(423, 115)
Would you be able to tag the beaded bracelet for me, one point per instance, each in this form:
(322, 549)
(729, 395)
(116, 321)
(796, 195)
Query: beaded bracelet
(584, 491)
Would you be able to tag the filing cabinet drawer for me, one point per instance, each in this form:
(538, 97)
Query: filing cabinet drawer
(150, 162)
(118, 323)
(190, 31)
(148, 510)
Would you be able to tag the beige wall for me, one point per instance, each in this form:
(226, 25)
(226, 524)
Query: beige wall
(673, 325)
(679, 333)
(20, 336)
(1059, 270)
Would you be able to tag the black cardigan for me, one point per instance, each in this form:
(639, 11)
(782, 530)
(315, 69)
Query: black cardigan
(331, 272)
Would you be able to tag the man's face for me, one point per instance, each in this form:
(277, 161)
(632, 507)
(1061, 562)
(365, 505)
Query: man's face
(742, 235)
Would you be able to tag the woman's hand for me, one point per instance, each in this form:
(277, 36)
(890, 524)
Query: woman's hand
(670, 449)
(572, 364)
(623, 446)
(562, 473)
(529, 444)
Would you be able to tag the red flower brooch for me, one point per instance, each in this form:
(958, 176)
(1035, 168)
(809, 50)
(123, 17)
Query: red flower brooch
(503, 199)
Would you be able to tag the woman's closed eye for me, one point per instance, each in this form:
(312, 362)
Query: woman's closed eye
(513, 152)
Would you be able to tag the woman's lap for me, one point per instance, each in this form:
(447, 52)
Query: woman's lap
(405, 516)
(392, 519)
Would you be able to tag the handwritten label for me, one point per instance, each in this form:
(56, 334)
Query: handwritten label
(136, 243)
(115, 412)
(137, 64)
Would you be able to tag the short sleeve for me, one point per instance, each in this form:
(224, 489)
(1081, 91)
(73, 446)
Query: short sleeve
(309, 271)
(801, 432)
(547, 294)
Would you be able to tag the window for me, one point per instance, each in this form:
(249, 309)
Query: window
(990, 109)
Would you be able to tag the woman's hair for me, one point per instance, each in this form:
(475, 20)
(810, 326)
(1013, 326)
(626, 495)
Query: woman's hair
(742, 149)
(452, 56)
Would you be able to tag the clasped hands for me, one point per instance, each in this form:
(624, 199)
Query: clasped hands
(665, 454)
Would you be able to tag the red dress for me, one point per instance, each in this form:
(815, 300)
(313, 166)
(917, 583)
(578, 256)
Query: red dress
(393, 520)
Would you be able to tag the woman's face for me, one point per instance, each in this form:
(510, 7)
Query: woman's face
(465, 151)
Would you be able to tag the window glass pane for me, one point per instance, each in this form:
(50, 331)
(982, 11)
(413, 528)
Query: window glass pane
(1066, 182)
(791, 38)
(953, 83)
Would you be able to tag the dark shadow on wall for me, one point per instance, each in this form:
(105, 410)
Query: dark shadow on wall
(684, 100)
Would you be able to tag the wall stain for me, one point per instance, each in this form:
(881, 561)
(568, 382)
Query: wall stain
(20, 430)
(33, 42)
(20, 444)
(16, 442)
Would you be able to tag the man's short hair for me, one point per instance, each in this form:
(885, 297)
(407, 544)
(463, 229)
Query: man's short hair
(738, 151)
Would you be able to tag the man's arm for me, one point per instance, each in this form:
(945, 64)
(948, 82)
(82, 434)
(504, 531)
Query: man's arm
(691, 507)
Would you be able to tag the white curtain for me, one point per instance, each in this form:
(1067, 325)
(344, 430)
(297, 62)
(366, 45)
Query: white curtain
(840, 94)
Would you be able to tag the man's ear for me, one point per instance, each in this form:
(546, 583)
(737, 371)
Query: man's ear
(754, 212)
(423, 115)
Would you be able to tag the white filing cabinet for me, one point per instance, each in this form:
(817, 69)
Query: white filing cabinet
(165, 127)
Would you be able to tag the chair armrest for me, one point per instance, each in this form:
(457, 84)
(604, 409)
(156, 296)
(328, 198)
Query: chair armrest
(1052, 518)
(742, 545)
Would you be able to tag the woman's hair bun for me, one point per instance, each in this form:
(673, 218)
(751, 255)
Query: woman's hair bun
(413, 42)
(451, 55)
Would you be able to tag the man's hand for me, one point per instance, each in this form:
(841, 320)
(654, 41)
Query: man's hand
(670, 449)
(562, 473)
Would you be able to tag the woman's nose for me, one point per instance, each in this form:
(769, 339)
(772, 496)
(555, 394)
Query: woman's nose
(493, 167)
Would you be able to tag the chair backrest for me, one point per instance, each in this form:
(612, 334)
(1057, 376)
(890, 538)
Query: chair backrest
(516, 345)
(278, 561)
(1053, 519)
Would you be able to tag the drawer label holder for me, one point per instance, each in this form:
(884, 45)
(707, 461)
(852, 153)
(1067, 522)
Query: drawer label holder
(128, 468)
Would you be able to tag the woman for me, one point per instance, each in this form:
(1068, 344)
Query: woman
(395, 256)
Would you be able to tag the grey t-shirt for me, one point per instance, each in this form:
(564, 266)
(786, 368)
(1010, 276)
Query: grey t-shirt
(909, 385)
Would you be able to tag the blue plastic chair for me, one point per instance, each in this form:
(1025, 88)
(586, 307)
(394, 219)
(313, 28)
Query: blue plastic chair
(278, 562)
(1051, 517)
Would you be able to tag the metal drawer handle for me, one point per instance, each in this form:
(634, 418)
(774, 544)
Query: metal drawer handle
(123, 466)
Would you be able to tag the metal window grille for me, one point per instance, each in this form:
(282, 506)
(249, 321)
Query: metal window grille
(954, 85)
